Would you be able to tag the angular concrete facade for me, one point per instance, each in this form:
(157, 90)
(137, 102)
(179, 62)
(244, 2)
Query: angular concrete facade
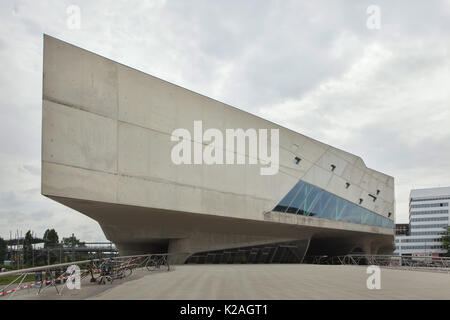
(106, 152)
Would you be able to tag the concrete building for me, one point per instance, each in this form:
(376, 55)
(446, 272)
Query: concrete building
(107, 140)
(428, 216)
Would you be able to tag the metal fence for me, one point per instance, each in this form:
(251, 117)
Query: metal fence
(99, 270)
(425, 263)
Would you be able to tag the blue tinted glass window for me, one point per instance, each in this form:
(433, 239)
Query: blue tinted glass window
(342, 209)
(379, 220)
(321, 203)
(299, 199)
(352, 213)
(330, 210)
(365, 218)
(306, 199)
(310, 200)
(284, 204)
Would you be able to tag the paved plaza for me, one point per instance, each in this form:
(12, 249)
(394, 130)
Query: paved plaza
(261, 281)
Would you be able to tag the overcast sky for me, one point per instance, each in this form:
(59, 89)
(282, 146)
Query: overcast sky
(312, 66)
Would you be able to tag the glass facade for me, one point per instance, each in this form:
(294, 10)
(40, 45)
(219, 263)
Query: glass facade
(426, 233)
(431, 199)
(428, 226)
(431, 205)
(419, 247)
(308, 200)
(429, 219)
(416, 213)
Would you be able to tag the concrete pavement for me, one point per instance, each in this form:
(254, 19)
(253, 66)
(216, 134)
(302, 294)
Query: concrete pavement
(257, 282)
(284, 281)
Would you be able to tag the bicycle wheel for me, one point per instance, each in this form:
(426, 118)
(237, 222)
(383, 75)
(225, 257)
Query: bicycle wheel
(119, 274)
(164, 266)
(127, 271)
(152, 265)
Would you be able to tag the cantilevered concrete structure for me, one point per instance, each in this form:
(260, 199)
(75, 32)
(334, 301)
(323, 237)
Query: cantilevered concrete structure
(106, 152)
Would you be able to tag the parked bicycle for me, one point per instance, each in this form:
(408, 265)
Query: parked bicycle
(109, 270)
(158, 263)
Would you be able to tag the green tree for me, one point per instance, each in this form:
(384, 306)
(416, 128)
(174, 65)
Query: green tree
(72, 241)
(446, 241)
(3, 250)
(51, 238)
(28, 248)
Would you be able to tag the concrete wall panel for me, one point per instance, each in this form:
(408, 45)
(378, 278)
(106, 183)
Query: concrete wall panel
(158, 194)
(78, 78)
(350, 158)
(146, 101)
(318, 177)
(78, 138)
(353, 175)
(312, 150)
(328, 159)
(146, 153)
(336, 186)
(71, 182)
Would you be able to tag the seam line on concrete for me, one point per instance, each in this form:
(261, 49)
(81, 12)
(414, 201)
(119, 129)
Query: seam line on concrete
(301, 175)
(80, 108)
(158, 180)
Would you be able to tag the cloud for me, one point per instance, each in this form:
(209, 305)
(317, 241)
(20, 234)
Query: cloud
(32, 170)
(390, 107)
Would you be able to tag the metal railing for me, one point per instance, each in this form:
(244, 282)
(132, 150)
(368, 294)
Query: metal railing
(99, 270)
(425, 263)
